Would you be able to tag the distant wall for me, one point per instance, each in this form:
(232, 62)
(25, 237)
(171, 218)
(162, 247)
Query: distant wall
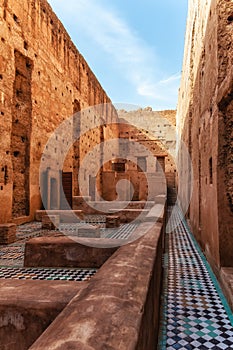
(204, 116)
(159, 129)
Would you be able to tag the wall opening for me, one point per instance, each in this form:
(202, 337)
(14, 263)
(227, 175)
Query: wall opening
(76, 134)
(21, 134)
(53, 193)
(211, 170)
(160, 164)
(92, 187)
(119, 167)
(141, 164)
(44, 184)
(66, 198)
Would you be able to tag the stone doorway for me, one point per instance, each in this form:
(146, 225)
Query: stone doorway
(92, 187)
(67, 179)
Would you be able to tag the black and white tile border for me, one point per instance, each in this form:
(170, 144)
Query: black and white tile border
(195, 314)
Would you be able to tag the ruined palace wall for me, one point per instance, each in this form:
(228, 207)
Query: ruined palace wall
(207, 54)
(43, 80)
(159, 126)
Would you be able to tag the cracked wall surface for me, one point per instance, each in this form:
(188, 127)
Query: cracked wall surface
(204, 123)
(159, 127)
(43, 81)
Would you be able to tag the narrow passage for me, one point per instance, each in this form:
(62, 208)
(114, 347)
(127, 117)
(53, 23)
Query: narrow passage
(195, 314)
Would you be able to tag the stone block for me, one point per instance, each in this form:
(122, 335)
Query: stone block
(7, 233)
(28, 307)
(66, 252)
(160, 199)
(112, 221)
(50, 222)
(124, 293)
(156, 213)
(129, 215)
(65, 215)
(89, 231)
(80, 202)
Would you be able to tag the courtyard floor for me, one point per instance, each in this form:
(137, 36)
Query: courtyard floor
(12, 255)
(195, 313)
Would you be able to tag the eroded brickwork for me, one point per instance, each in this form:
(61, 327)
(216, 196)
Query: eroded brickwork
(159, 127)
(21, 134)
(139, 156)
(43, 81)
(204, 122)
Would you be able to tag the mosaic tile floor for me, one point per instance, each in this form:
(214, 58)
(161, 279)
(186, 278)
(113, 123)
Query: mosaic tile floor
(195, 312)
(122, 232)
(12, 255)
(46, 274)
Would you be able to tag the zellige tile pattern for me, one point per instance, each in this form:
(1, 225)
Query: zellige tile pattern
(195, 314)
(54, 274)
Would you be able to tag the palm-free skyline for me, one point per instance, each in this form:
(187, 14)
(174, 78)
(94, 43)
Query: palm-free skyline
(134, 48)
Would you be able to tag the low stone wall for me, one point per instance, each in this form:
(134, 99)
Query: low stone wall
(119, 308)
(64, 215)
(27, 308)
(156, 213)
(129, 215)
(65, 252)
(99, 207)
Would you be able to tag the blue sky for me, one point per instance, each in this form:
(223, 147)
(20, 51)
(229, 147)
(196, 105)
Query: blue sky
(135, 48)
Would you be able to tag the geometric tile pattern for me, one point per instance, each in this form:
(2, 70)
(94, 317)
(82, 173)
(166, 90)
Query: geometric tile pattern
(28, 230)
(13, 254)
(96, 219)
(122, 232)
(54, 274)
(195, 314)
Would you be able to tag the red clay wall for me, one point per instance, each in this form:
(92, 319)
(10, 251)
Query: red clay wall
(204, 119)
(43, 80)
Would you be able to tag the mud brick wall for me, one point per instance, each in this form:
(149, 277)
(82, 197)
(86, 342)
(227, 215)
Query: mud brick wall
(204, 122)
(21, 134)
(159, 128)
(138, 155)
(43, 81)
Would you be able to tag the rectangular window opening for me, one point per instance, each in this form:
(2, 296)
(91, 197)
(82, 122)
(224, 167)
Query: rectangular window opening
(211, 170)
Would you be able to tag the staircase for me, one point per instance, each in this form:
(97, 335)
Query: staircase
(171, 195)
(171, 188)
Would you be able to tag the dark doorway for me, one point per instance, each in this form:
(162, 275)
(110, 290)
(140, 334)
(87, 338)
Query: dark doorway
(92, 186)
(68, 192)
(21, 135)
(53, 194)
(141, 166)
(76, 144)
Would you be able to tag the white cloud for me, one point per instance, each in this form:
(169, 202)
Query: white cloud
(163, 92)
(134, 59)
(172, 78)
